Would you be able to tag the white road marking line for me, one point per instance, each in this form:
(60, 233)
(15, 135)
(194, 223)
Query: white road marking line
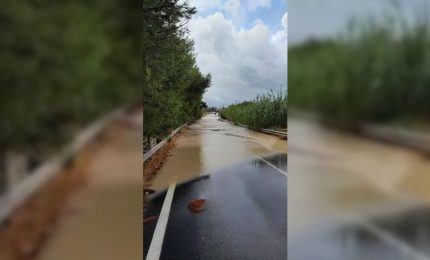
(393, 241)
(158, 237)
(273, 166)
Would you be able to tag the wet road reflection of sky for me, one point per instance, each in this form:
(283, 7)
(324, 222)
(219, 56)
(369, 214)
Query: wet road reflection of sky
(245, 214)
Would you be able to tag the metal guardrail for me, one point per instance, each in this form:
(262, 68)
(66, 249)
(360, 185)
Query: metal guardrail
(413, 139)
(274, 132)
(409, 138)
(283, 135)
(15, 197)
(151, 152)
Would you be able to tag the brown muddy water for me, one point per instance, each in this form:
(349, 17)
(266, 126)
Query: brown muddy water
(355, 198)
(210, 144)
(103, 219)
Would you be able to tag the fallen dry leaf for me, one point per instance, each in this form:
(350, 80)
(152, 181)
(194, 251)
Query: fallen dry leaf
(196, 206)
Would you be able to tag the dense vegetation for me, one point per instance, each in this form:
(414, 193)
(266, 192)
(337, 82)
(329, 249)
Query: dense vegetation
(378, 71)
(265, 111)
(64, 63)
(173, 84)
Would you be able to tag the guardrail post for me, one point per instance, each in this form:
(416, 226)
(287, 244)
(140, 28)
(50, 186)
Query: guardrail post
(16, 168)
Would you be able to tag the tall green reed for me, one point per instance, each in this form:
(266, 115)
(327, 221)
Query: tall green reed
(265, 111)
(377, 71)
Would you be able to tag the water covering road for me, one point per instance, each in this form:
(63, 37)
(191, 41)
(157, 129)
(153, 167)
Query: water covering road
(353, 198)
(242, 176)
(210, 144)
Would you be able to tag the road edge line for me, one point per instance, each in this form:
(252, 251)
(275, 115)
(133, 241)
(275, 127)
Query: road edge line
(393, 241)
(273, 166)
(156, 245)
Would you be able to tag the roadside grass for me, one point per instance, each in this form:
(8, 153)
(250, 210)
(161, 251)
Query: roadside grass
(265, 111)
(378, 71)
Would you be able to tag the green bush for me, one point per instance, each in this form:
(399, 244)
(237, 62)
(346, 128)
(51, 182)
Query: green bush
(62, 65)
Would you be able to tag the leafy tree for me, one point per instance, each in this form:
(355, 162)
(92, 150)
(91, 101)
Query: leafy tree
(173, 84)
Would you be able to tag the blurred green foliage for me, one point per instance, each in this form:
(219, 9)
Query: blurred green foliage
(173, 84)
(265, 111)
(377, 71)
(62, 64)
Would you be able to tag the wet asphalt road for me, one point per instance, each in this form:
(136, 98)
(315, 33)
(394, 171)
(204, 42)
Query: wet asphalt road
(245, 214)
(349, 198)
(401, 235)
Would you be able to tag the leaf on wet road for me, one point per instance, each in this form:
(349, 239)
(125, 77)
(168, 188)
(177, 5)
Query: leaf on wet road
(196, 206)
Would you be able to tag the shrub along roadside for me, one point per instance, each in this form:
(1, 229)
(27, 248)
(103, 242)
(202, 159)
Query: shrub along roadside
(265, 111)
(63, 64)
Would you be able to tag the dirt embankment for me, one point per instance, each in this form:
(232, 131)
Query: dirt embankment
(154, 164)
(24, 233)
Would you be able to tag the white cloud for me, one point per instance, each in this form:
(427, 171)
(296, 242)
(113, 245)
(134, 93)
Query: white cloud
(285, 20)
(254, 4)
(281, 36)
(322, 18)
(243, 63)
(235, 8)
(203, 6)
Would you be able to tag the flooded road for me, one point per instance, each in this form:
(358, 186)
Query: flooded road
(244, 216)
(210, 144)
(241, 177)
(353, 198)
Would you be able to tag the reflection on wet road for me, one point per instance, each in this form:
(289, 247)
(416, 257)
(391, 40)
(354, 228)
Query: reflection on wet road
(210, 144)
(352, 198)
(245, 214)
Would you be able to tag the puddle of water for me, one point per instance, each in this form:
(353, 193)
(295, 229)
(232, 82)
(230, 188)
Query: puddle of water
(335, 176)
(200, 151)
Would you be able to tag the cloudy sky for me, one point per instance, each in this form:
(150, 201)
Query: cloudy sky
(243, 44)
(321, 18)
